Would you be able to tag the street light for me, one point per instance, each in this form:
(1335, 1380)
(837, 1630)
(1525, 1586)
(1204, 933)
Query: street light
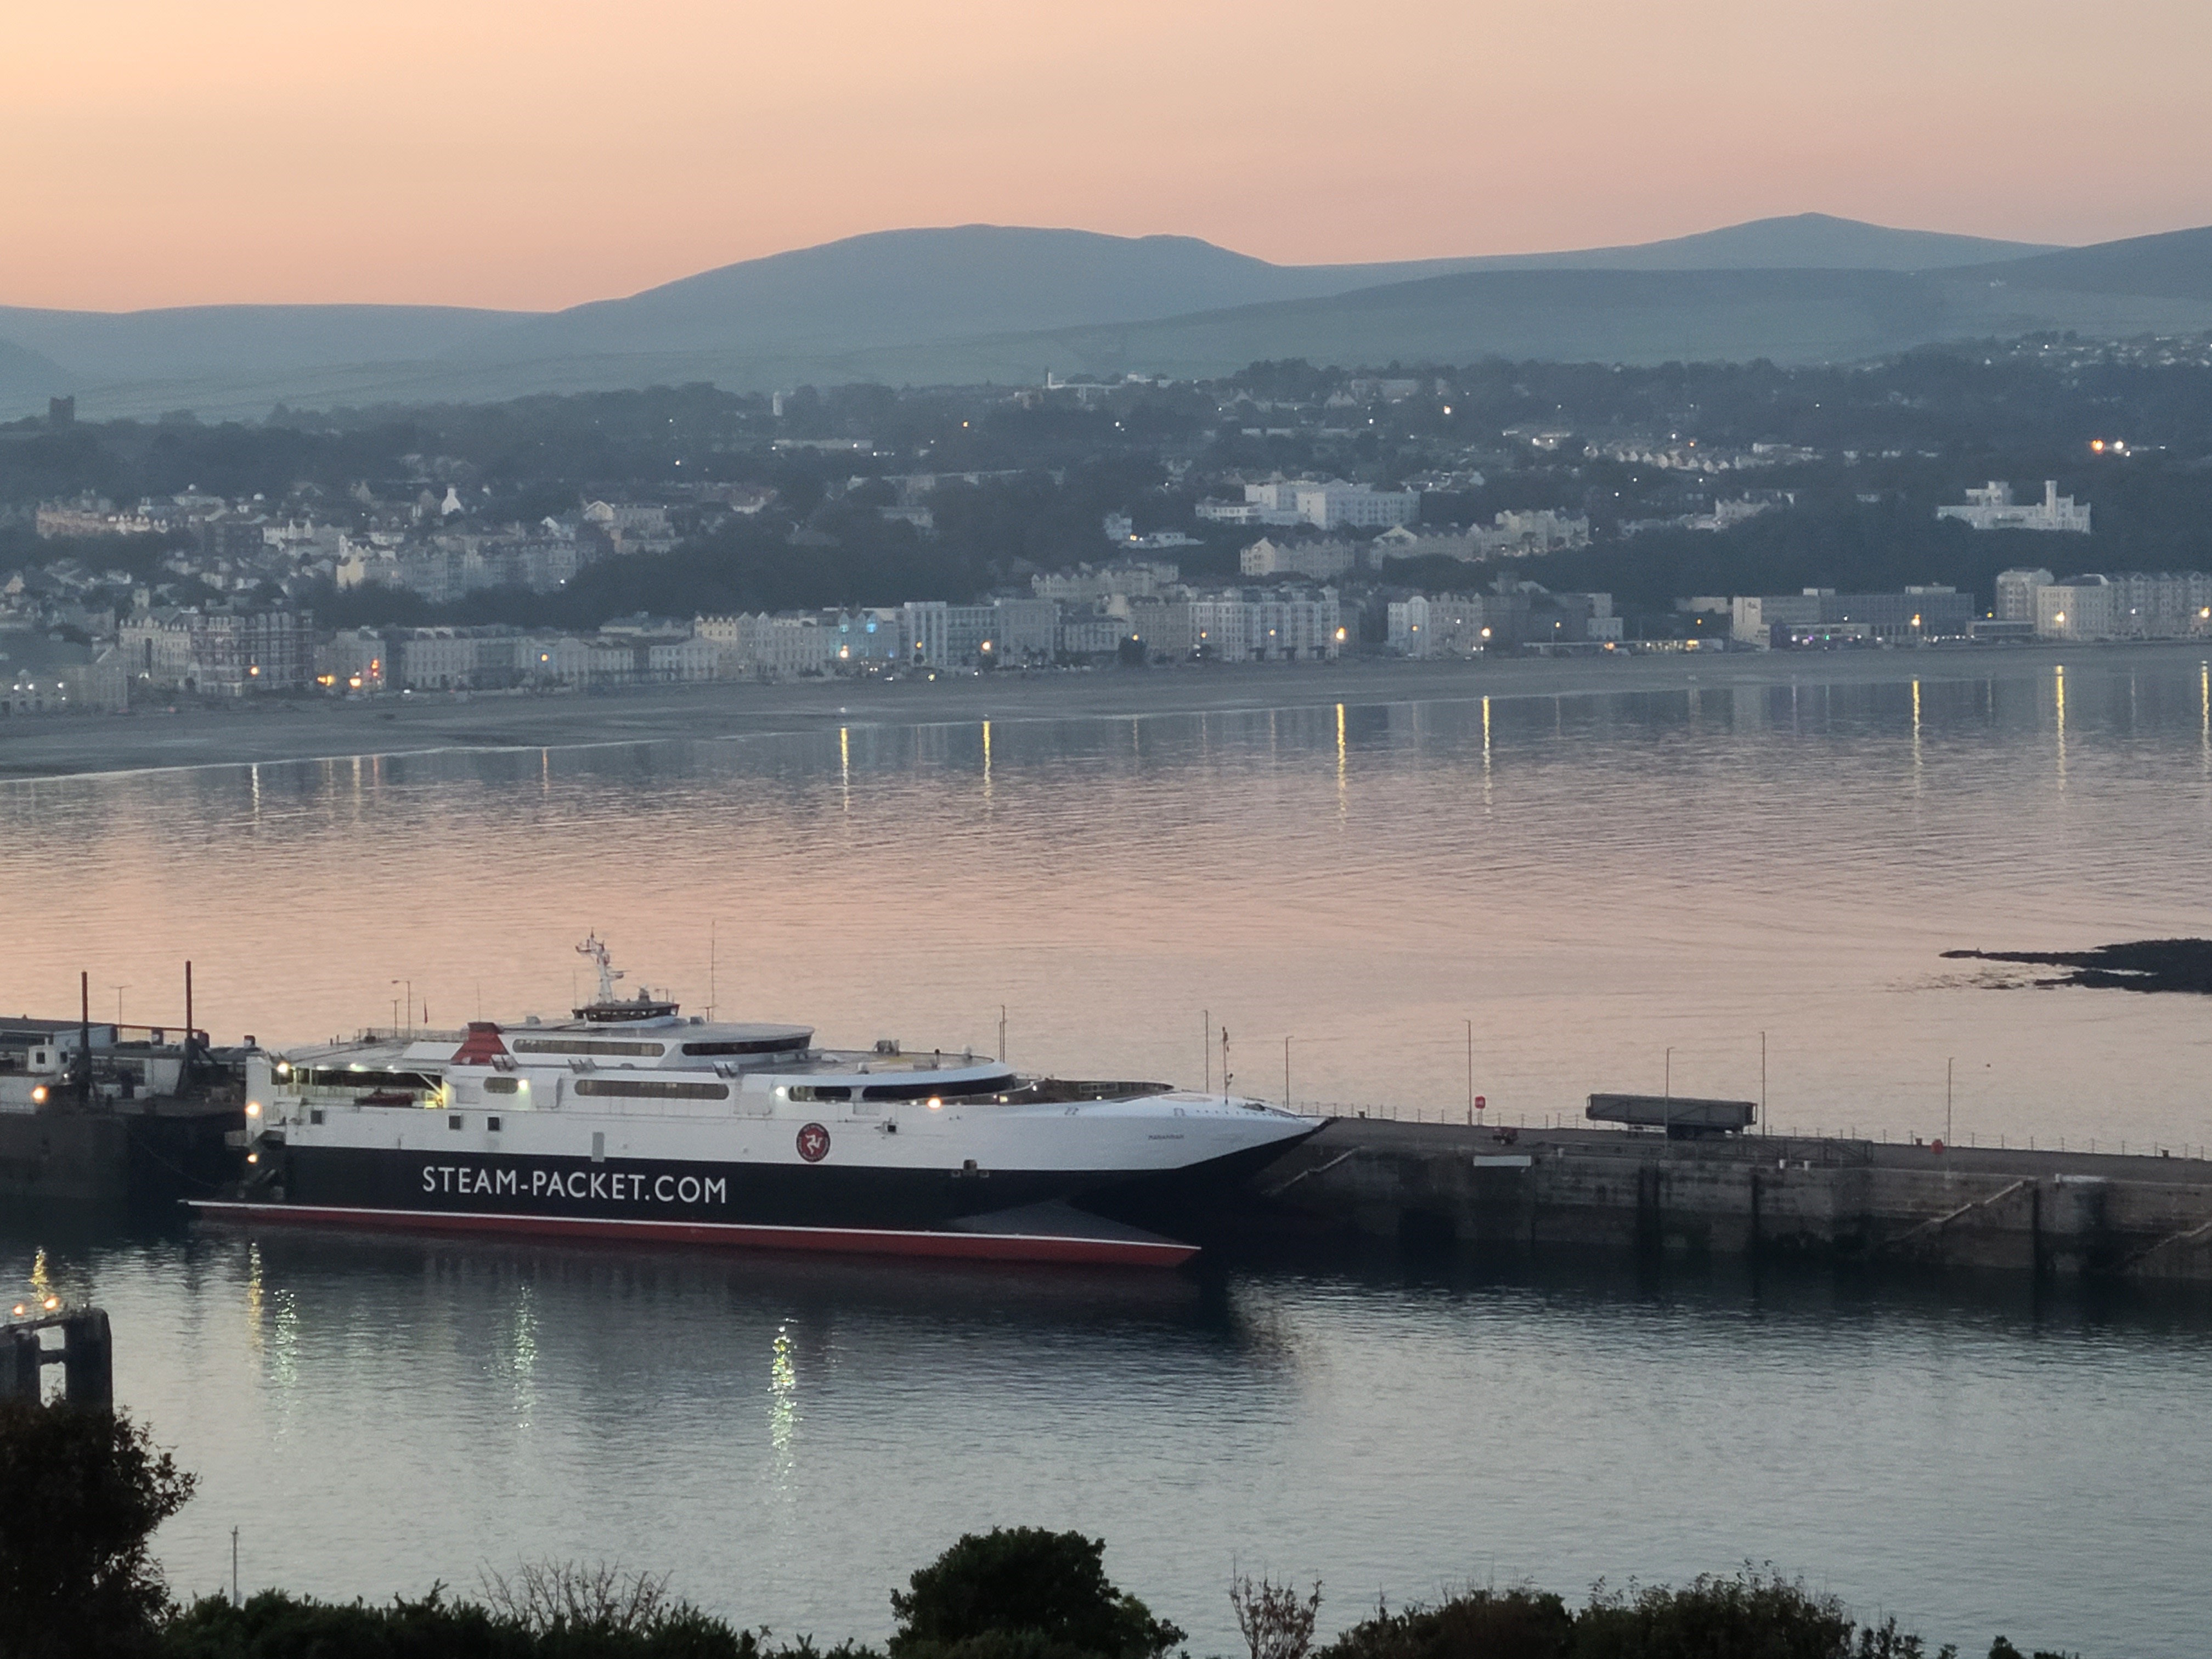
(1470, 1074)
(409, 984)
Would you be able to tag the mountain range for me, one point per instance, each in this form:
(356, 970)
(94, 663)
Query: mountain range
(975, 303)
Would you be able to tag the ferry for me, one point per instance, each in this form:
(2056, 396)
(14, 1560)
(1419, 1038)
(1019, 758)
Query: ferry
(632, 1120)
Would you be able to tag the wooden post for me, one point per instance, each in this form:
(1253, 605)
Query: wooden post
(88, 1359)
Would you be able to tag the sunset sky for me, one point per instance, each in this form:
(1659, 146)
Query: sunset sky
(499, 153)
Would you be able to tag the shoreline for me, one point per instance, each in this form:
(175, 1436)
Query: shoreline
(36, 746)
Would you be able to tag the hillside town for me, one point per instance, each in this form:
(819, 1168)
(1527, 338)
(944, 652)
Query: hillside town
(1294, 516)
(72, 638)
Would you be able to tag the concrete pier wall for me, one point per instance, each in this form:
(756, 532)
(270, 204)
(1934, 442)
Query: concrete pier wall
(2047, 1212)
(148, 1151)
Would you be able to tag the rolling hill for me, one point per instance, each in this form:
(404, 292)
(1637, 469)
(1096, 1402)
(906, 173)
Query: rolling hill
(980, 302)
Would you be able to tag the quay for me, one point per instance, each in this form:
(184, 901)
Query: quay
(98, 1116)
(2055, 1213)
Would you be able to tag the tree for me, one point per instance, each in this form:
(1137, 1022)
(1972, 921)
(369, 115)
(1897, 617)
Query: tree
(1274, 1619)
(1023, 1593)
(1481, 1623)
(82, 1491)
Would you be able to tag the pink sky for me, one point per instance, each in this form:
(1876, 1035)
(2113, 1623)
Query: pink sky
(496, 153)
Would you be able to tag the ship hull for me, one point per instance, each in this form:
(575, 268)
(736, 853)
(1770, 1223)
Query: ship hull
(1118, 1248)
(688, 1189)
(876, 1210)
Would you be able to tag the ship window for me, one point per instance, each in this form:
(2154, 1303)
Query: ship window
(453, 1121)
(652, 1089)
(940, 1089)
(346, 1077)
(502, 1086)
(746, 1046)
(819, 1091)
(492, 1124)
(587, 1046)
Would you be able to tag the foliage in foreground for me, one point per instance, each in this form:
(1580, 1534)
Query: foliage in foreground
(1023, 1593)
(81, 1492)
(276, 1626)
(1752, 1614)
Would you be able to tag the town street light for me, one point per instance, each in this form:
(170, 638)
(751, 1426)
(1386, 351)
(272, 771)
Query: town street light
(409, 984)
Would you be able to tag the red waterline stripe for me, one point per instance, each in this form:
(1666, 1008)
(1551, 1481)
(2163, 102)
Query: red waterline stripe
(862, 1240)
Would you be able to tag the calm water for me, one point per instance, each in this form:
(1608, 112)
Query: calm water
(1592, 881)
(791, 1438)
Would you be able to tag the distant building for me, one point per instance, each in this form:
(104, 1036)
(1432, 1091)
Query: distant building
(1320, 559)
(220, 652)
(1449, 625)
(1327, 505)
(1818, 615)
(763, 646)
(1218, 512)
(1510, 536)
(1517, 615)
(1123, 578)
(2079, 608)
(1992, 507)
(2162, 604)
(2129, 605)
(2015, 594)
(353, 659)
(1265, 625)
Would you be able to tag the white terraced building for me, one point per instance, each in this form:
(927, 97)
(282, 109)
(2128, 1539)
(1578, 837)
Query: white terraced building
(1992, 507)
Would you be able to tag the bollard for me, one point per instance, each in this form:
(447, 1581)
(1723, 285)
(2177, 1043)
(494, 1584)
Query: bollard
(19, 1364)
(88, 1359)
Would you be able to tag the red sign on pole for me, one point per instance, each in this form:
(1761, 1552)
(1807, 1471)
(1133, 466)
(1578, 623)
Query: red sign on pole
(1481, 1101)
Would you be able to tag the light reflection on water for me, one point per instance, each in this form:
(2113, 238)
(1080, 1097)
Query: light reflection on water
(791, 1438)
(1593, 880)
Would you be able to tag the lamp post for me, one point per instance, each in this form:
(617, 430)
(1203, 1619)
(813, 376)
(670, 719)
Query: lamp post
(1286, 1074)
(1670, 1074)
(1470, 1074)
(1948, 1066)
(409, 984)
(119, 990)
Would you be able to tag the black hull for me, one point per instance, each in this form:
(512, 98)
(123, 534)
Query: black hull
(633, 1190)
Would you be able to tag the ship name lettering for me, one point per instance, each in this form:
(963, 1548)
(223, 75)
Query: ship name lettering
(461, 1179)
(617, 1185)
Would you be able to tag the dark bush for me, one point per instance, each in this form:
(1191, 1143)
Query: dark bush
(1752, 1615)
(1023, 1593)
(1513, 1624)
(275, 1626)
(81, 1492)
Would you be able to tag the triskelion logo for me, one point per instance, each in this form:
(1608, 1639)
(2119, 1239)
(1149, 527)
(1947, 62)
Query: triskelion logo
(814, 1143)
